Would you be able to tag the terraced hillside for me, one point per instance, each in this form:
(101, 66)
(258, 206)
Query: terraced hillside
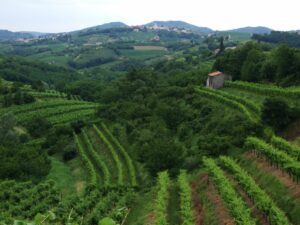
(244, 106)
(56, 111)
(229, 191)
(259, 186)
(107, 161)
(258, 92)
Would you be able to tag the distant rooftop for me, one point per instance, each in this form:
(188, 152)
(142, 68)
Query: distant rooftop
(216, 73)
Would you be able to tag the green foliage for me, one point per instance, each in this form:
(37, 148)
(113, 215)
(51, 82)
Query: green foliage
(19, 161)
(187, 214)
(276, 189)
(100, 163)
(38, 126)
(41, 105)
(28, 71)
(17, 98)
(55, 111)
(77, 126)
(162, 154)
(25, 200)
(234, 203)
(8, 135)
(114, 154)
(282, 144)
(290, 38)
(258, 63)
(60, 140)
(261, 199)
(86, 161)
(23, 162)
(275, 156)
(276, 113)
(158, 109)
(107, 221)
(161, 203)
(249, 104)
(267, 90)
(228, 101)
(128, 160)
(88, 89)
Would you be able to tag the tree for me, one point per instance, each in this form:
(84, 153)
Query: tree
(276, 113)
(222, 47)
(38, 126)
(284, 58)
(77, 126)
(23, 162)
(7, 100)
(7, 133)
(251, 68)
(160, 154)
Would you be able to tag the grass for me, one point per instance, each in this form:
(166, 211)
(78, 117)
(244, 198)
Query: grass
(142, 207)
(61, 173)
(275, 189)
(79, 174)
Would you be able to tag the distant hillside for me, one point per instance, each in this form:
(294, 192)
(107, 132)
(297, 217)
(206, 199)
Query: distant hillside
(27, 71)
(180, 24)
(290, 38)
(252, 30)
(6, 35)
(105, 26)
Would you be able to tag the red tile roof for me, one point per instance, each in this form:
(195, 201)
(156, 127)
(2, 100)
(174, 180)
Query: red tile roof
(216, 73)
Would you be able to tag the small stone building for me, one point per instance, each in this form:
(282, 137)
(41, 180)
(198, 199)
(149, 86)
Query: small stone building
(217, 79)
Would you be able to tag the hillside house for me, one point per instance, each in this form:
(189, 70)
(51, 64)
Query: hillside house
(217, 79)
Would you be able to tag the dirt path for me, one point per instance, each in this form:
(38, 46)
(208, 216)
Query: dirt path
(283, 177)
(174, 216)
(255, 212)
(150, 219)
(221, 212)
(292, 132)
(197, 206)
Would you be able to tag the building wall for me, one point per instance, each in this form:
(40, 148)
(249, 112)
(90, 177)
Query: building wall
(217, 81)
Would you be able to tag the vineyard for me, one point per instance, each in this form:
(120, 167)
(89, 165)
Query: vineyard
(257, 93)
(50, 94)
(257, 183)
(56, 111)
(89, 208)
(245, 107)
(106, 160)
(107, 194)
(266, 90)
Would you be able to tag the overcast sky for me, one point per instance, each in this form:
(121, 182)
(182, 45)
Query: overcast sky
(68, 15)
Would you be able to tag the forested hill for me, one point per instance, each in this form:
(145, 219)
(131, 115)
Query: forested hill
(6, 35)
(23, 70)
(290, 38)
(252, 30)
